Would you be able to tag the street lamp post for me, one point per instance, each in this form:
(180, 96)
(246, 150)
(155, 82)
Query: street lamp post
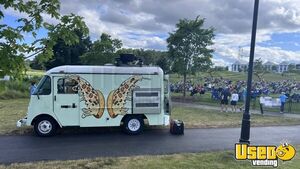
(245, 130)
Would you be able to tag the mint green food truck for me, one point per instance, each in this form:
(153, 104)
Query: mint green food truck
(99, 96)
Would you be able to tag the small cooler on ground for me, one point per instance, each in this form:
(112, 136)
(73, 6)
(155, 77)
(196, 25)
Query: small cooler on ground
(177, 127)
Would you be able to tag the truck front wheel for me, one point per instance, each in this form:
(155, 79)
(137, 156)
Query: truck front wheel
(133, 125)
(45, 127)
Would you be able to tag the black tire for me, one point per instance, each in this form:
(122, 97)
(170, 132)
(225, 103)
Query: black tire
(45, 127)
(133, 125)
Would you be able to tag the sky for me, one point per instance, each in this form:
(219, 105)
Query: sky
(147, 24)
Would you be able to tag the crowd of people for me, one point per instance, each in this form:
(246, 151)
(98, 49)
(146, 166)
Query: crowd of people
(226, 90)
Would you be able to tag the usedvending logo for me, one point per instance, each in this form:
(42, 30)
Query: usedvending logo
(264, 155)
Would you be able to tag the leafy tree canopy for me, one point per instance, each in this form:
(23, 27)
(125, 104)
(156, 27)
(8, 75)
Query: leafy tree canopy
(151, 57)
(64, 54)
(189, 46)
(13, 47)
(102, 51)
(292, 68)
(258, 69)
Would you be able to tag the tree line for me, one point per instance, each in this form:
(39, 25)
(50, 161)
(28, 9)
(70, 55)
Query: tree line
(187, 53)
(100, 52)
(68, 43)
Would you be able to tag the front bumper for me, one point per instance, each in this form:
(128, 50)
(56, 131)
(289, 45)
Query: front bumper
(22, 122)
(166, 120)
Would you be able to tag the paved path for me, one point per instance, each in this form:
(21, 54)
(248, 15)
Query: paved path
(200, 106)
(71, 146)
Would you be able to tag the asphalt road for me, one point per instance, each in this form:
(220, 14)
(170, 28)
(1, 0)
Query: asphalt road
(78, 146)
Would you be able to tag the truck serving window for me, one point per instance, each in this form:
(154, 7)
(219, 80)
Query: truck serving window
(65, 86)
(44, 87)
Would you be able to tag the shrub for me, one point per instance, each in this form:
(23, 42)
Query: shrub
(29, 79)
(2, 86)
(17, 85)
(13, 94)
(14, 89)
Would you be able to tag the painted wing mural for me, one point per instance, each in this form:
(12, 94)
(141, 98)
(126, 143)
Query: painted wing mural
(94, 99)
(117, 98)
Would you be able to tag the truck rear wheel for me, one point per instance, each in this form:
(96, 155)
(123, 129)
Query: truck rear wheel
(45, 127)
(133, 125)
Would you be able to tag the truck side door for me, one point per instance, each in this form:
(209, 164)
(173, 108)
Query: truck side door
(66, 101)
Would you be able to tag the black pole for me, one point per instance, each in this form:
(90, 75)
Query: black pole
(245, 130)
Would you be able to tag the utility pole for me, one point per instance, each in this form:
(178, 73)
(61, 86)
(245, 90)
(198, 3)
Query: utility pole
(245, 129)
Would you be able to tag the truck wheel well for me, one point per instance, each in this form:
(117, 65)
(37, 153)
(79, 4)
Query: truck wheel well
(140, 115)
(43, 116)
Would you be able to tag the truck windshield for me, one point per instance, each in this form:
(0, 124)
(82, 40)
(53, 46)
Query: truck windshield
(44, 86)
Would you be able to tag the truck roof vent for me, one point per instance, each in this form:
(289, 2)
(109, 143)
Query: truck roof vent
(109, 64)
(129, 60)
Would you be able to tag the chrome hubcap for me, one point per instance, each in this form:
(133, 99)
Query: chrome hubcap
(45, 127)
(134, 125)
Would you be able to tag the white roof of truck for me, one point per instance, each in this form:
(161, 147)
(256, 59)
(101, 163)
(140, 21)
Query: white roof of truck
(104, 70)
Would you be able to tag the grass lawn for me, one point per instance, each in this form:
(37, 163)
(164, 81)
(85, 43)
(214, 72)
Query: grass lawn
(10, 112)
(196, 118)
(201, 99)
(13, 110)
(216, 160)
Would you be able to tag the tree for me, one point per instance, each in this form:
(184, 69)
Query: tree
(292, 68)
(151, 57)
(164, 62)
(102, 51)
(14, 48)
(188, 47)
(35, 64)
(211, 72)
(259, 70)
(69, 54)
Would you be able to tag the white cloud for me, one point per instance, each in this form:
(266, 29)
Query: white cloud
(94, 23)
(276, 54)
(145, 42)
(145, 24)
(219, 62)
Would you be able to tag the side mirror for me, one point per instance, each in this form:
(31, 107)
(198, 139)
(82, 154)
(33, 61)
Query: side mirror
(38, 94)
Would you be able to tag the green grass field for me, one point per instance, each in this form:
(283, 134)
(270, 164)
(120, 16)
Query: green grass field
(202, 118)
(205, 160)
(13, 110)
